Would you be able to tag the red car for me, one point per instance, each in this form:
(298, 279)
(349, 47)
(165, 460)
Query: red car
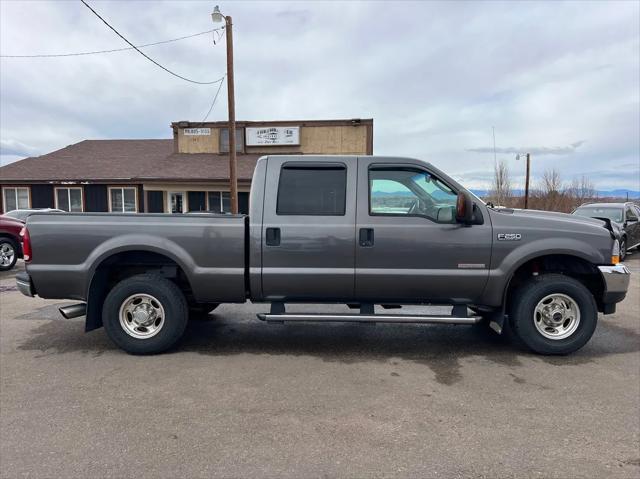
(10, 249)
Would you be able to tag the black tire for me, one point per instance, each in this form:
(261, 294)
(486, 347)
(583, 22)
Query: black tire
(527, 297)
(623, 249)
(170, 298)
(7, 245)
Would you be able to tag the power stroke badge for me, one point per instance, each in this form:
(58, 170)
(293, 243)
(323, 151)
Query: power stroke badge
(509, 236)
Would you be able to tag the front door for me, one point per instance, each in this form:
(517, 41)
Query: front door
(176, 202)
(410, 248)
(308, 236)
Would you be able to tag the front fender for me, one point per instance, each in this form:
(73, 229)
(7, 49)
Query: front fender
(506, 263)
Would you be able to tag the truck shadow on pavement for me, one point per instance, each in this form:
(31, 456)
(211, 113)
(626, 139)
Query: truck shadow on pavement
(439, 347)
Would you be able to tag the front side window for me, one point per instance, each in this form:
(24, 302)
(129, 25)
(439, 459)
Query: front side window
(411, 192)
(69, 199)
(631, 214)
(16, 198)
(122, 200)
(316, 191)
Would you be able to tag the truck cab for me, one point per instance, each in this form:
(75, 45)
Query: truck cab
(370, 229)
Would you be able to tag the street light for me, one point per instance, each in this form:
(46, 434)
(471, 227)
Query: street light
(526, 183)
(218, 17)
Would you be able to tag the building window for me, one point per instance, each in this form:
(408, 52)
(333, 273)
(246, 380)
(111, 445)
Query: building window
(123, 199)
(155, 201)
(313, 191)
(197, 200)
(224, 140)
(16, 198)
(219, 202)
(69, 199)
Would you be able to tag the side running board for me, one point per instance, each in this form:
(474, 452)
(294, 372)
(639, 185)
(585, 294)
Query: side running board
(367, 318)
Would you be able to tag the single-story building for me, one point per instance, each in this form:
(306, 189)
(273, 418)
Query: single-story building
(187, 173)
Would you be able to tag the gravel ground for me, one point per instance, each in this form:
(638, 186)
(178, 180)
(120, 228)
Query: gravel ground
(240, 398)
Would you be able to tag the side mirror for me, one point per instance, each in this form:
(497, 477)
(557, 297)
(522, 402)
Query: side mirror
(464, 209)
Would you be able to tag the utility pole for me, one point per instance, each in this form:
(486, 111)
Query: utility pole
(526, 180)
(233, 174)
(216, 16)
(526, 183)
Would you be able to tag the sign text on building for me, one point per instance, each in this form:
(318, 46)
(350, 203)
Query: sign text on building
(197, 131)
(273, 135)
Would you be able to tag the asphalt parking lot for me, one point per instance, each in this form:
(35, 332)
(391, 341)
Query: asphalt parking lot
(240, 398)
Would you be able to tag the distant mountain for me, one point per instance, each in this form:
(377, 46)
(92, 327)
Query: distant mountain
(633, 195)
(620, 193)
(440, 195)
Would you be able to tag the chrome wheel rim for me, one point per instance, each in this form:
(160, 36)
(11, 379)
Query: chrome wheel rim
(7, 254)
(556, 316)
(141, 316)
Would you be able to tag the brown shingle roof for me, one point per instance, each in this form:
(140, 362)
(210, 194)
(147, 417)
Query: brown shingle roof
(125, 160)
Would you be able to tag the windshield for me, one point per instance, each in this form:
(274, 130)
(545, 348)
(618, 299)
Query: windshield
(614, 214)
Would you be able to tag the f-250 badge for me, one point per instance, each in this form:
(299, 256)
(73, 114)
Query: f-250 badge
(509, 236)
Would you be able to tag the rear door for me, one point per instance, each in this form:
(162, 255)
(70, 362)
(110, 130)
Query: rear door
(410, 248)
(308, 235)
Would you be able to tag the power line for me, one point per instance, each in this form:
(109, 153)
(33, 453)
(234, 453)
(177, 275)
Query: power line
(214, 100)
(148, 57)
(77, 54)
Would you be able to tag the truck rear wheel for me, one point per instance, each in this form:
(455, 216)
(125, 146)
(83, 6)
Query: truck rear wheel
(145, 314)
(553, 314)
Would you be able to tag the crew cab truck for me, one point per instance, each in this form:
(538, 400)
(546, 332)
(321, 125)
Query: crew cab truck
(358, 230)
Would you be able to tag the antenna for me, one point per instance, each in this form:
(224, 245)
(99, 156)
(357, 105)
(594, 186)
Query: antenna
(495, 161)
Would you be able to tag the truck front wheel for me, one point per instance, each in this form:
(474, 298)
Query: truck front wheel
(145, 314)
(553, 314)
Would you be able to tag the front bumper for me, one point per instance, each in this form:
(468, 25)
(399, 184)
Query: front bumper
(616, 283)
(25, 286)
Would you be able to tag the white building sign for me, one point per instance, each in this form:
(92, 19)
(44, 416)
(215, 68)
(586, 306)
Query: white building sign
(273, 135)
(197, 131)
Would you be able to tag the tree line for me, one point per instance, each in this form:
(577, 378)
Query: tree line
(549, 193)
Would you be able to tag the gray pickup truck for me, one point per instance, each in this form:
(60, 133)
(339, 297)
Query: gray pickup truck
(363, 231)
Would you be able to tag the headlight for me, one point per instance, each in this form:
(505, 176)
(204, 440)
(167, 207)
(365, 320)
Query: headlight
(615, 252)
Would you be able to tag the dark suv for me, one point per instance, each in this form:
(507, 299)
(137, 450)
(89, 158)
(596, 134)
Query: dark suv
(624, 215)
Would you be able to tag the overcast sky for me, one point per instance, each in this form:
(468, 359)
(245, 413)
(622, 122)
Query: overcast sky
(561, 80)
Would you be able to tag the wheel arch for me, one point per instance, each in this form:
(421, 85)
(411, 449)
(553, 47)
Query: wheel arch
(126, 262)
(15, 240)
(571, 265)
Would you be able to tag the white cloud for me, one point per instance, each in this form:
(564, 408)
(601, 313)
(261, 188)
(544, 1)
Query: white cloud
(434, 76)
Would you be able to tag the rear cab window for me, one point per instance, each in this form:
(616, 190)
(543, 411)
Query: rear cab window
(314, 190)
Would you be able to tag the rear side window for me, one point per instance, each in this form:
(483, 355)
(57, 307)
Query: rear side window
(317, 191)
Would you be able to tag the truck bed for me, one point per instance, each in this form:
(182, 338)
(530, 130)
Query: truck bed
(208, 248)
